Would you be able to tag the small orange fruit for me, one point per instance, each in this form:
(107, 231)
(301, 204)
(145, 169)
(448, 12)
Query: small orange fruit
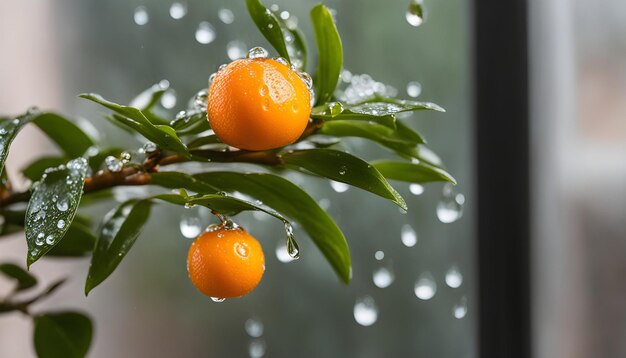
(258, 104)
(225, 262)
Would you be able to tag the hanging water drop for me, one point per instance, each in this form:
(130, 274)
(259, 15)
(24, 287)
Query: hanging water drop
(408, 236)
(415, 14)
(450, 207)
(282, 254)
(226, 16)
(190, 226)
(365, 311)
(149, 148)
(257, 52)
(205, 33)
(236, 50)
(218, 299)
(460, 309)
(254, 327)
(425, 286)
(141, 15)
(339, 187)
(454, 278)
(413, 89)
(383, 277)
(292, 246)
(178, 10)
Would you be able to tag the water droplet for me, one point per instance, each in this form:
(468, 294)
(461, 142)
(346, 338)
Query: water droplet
(257, 348)
(113, 164)
(178, 10)
(284, 15)
(339, 187)
(141, 16)
(307, 79)
(379, 255)
(240, 248)
(200, 100)
(383, 277)
(414, 89)
(459, 310)
(408, 236)
(254, 327)
(274, 8)
(282, 254)
(236, 50)
(415, 13)
(218, 299)
(168, 100)
(425, 286)
(61, 224)
(282, 61)
(343, 170)
(39, 240)
(222, 67)
(257, 52)
(226, 16)
(450, 207)
(190, 226)
(125, 157)
(3, 131)
(205, 33)
(335, 108)
(454, 278)
(149, 148)
(50, 240)
(292, 246)
(416, 189)
(62, 205)
(365, 311)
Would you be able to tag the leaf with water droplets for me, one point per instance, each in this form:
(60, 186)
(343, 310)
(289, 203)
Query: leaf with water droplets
(347, 114)
(412, 172)
(288, 199)
(178, 180)
(382, 106)
(62, 335)
(372, 131)
(268, 24)
(24, 279)
(329, 53)
(345, 168)
(191, 122)
(9, 129)
(163, 135)
(64, 133)
(118, 232)
(78, 241)
(54, 198)
(204, 141)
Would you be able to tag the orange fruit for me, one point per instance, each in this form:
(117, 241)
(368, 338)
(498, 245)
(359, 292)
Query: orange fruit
(258, 104)
(225, 263)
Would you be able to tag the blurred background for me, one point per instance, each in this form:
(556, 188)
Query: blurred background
(419, 298)
(54, 50)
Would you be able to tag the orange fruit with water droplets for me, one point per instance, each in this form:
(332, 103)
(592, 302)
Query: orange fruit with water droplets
(258, 104)
(225, 262)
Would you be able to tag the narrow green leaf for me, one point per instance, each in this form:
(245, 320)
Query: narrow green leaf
(164, 136)
(78, 241)
(385, 120)
(35, 170)
(67, 135)
(267, 23)
(371, 131)
(202, 141)
(192, 122)
(345, 168)
(287, 198)
(178, 180)
(62, 335)
(24, 279)
(9, 129)
(52, 207)
(412, 172)
(384, 106)
(119, 231)
(329, 52)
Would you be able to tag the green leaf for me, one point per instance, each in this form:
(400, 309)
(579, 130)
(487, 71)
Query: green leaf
(382, 106)
(62, 335)
(412, 172)
(287, 198)
(347, 114)
(267, 23)
(329, 52)
(35, 170)
(23, 278)
(164, 136)
(192, 122)
(78, 241)
(345, 168)
(9, 129)
(298, 45)
(119, 231)
(178, 180)
(371, 131)
(202, 141)
(67, 135)
(52, 207)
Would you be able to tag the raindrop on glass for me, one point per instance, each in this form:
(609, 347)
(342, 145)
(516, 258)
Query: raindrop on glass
(226, 16)
(205, 33)
(236, 50)
(168, 100)
(414, 89)
(141, 16)
(256, 348)
(450, 207)
(454, 278)
(218, 299)
(339, 186)
(190, 225)
(416, 189)
(178, 10)
(415, 13)
(383, 277)
(254, 327)
(365, 311)
(408, 236)
(257, 52)
(425, 286)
